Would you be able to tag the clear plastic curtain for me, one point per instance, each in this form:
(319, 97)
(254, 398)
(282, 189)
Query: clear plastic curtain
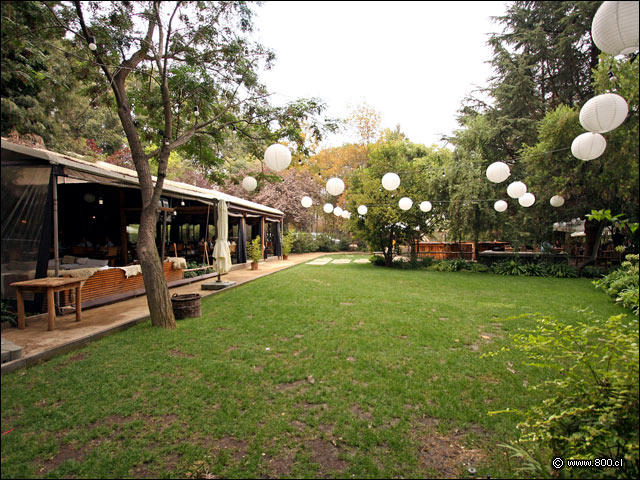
(221, 249)
(25, 205)
(277, 243)
(242, 243)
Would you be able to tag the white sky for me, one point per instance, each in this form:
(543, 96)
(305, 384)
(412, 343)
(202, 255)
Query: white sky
(413, 62)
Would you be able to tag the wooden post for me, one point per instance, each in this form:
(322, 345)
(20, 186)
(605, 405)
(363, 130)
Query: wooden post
(56, 245)
(124, 249)
(264, 234)
(164, 234)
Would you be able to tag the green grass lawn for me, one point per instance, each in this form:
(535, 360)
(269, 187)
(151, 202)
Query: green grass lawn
(316, 371)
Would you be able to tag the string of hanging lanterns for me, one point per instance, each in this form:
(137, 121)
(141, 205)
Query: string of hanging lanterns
(614, 31)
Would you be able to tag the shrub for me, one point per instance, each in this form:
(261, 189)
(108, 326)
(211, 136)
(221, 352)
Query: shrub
(8, 315)
(304, 243)
(449, 265)
(192, 264)
(509, 267)
(426, 262)
(288, 241)
(622, 284)
(561, 270)
(592, 271)
(377, 260)
(479, 267)
(534, 270)
(325, 243)
(592, 407)
(254, 249)
(344, 244)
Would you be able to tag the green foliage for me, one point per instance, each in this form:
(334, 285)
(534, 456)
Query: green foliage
(455, 265)
(515, 267)
(254, 249)
(509, 267)
(8, 315)
(377, 260)
(561, 270)
(385, 226)
(479, 267)
(325, 243)
(591, 409)
(287, 241)
(622, 284)
(592, 271)
(304, 243)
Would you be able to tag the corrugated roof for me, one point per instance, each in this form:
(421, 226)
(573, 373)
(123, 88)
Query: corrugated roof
(128, 176)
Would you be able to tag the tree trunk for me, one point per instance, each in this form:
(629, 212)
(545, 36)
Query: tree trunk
(388, 254)
(158, 299)
(593, 232)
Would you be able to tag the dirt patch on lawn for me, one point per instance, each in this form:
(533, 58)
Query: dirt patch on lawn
(446, 455)
(325, 454)
(75, 358)
(177, 353)
(236, 449)
(65, 452)
(280, 466)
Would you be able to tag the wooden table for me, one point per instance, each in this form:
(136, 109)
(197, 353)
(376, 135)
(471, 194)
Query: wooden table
(48, 286)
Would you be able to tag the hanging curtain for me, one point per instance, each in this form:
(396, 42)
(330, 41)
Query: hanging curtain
(221, 248)
(261, 234)
(241, 249)
(277, 243)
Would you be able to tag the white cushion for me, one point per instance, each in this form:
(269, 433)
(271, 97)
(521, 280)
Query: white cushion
(92, 262)
(82, 260)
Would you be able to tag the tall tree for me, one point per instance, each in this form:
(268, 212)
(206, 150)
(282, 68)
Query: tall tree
(609, 182)
(541, 59)
(385, 224)
(364, 120)
(183, 75)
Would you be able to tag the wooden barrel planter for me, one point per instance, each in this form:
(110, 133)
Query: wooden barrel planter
(186, 306)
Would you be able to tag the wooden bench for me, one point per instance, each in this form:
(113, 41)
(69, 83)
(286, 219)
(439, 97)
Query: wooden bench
(113, 282)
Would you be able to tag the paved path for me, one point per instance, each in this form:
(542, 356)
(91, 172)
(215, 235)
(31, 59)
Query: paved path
(39, 344)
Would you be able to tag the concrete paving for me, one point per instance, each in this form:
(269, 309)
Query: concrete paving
(38, 344)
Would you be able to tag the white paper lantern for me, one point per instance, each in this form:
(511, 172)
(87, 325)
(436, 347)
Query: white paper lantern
(390, 181)
(588, 146)
(337, 211)
(405, 203)
(249, 184)
(500, 206)
(277, 157)
(498, 172)
(516, 189)
(426, 206)
(556, 201)
(527, 199)
(335, 186)
(306, 201)
(328, 208)
(362, 209)
(604, 113)
(615, 27)
(345, 214)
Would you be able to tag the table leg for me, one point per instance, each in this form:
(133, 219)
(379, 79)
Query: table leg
(20, 302)
(51, 307)
(78, 303)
